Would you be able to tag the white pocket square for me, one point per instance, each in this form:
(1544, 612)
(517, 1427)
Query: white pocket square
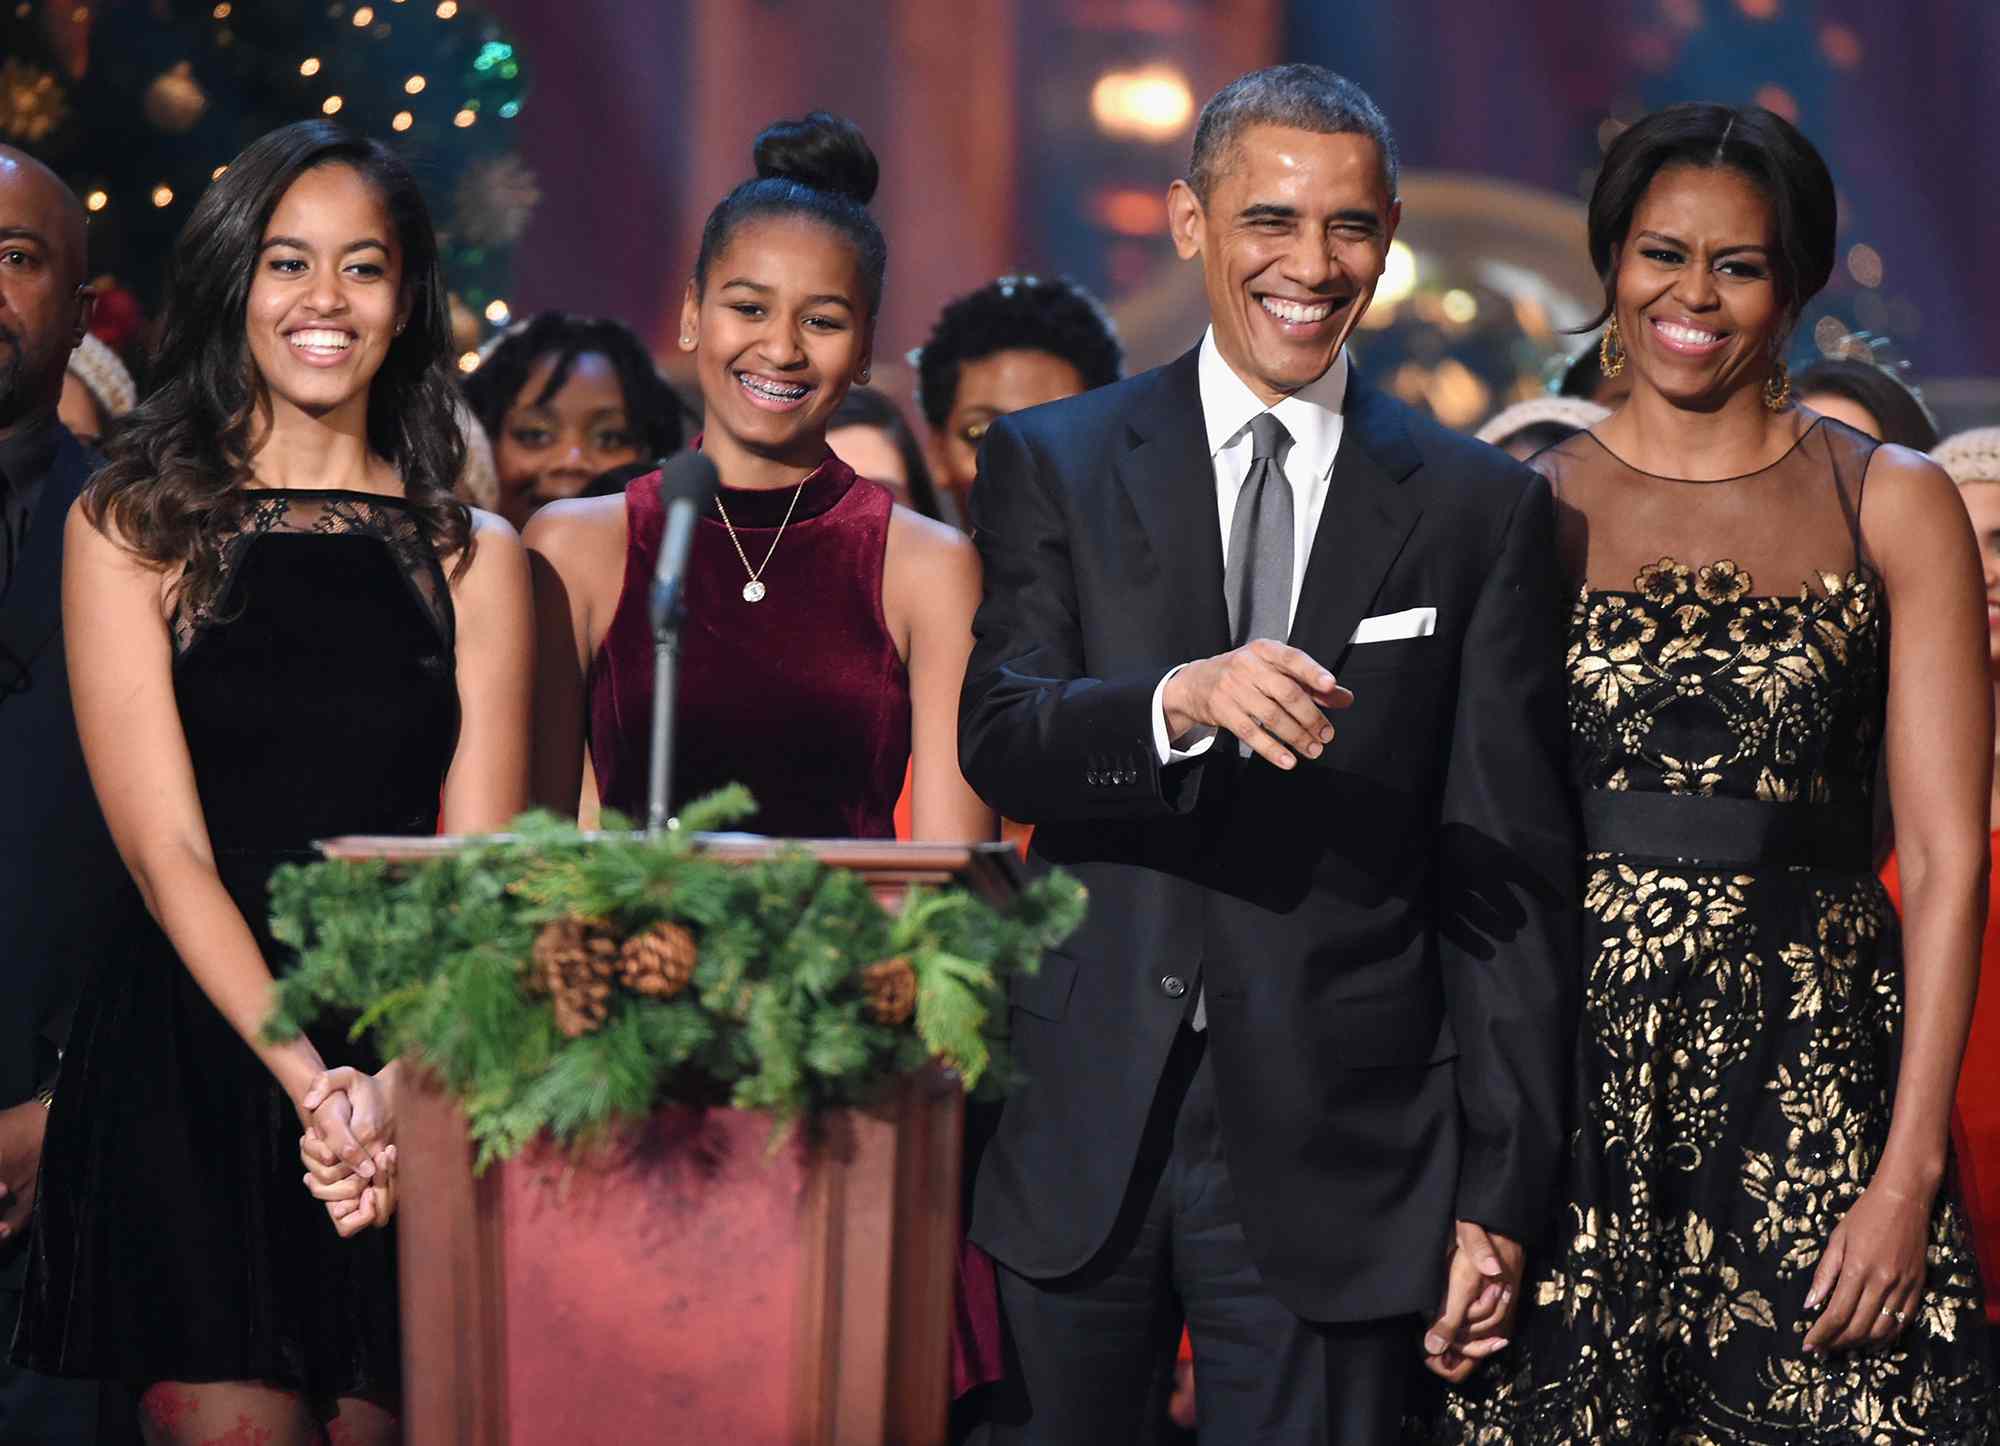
(1409, 623)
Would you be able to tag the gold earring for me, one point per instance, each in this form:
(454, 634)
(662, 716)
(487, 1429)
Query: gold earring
(1778, 387)
(1611, 350)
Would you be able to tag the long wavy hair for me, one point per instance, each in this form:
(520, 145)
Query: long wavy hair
(173, 489)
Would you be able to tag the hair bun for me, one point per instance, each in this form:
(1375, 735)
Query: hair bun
(824, 151)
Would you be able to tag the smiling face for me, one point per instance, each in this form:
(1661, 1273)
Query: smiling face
(1292, 241)
(996, 385)
(779, 333)
(1698, 306)
(326, 299)
(551, 449)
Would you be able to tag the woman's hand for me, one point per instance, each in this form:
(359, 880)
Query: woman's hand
(352, 1203)
(1871, 1275)
(353, 1112)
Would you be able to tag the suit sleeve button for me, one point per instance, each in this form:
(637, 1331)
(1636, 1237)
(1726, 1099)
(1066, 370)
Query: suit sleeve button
(1173, 986)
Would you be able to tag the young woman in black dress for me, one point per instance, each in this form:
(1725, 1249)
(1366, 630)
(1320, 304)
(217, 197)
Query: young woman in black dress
(280, 627)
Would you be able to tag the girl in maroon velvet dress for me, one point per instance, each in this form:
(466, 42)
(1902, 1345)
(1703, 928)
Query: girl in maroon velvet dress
(827, 628)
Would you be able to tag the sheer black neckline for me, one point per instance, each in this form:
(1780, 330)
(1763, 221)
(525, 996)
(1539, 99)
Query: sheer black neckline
(1778, 461)
(389, 497)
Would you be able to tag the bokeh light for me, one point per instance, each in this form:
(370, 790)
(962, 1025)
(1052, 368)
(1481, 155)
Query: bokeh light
(1154, 103)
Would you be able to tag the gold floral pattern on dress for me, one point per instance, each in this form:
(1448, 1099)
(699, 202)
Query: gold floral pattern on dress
(1736, 1058)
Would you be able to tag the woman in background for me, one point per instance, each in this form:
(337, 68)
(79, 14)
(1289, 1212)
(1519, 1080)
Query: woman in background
(1972, 459)
(281, 626)
(870, 434)
(1525, 428)
(1869, 399)
(97, 391)
(564, 399)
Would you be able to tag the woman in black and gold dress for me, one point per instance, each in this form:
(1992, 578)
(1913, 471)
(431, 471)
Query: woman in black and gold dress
(1760, 1242)
(280, 627)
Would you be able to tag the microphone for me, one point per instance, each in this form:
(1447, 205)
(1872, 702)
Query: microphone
(687, 482)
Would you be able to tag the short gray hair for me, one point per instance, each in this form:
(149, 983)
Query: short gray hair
(1301, 97)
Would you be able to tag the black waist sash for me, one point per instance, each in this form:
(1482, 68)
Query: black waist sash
(1726, 832)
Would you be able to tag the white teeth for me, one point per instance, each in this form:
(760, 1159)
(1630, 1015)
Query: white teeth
(776, 391)
(1686, 335)
(318, 340)
(1293, 311)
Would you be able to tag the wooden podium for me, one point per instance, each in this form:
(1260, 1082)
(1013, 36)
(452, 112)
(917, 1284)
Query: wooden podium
(690, 1283)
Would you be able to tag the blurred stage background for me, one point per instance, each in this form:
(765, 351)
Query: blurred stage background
(1040, 135)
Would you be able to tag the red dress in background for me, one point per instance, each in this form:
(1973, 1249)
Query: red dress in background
(800, 696)
(1975, 1119)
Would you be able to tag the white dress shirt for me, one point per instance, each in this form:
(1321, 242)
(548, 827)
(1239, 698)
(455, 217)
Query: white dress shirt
(1312, 415)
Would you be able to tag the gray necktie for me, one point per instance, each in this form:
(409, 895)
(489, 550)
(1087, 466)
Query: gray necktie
(1258, 574)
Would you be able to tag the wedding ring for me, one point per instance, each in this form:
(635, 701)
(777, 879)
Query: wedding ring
(1886, 1311)
(1902, 1316)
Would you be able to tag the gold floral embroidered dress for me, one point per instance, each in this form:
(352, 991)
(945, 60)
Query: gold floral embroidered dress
(1737, 1053)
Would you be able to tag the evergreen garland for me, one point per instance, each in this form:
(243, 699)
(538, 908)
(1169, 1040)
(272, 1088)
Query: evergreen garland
(434, 959)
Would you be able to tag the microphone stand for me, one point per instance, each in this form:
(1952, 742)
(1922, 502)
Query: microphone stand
(667, 614)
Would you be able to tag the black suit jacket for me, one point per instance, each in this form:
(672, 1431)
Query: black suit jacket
(63, 890)
(1386, 933)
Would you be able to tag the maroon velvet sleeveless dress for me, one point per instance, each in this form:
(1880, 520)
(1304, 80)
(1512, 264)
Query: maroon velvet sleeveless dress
(801, 696)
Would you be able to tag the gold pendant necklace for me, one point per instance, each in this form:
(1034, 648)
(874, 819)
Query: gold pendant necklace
(754, 590)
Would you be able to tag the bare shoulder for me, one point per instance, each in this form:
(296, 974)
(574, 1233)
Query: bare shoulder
(581, 531)
(101, 545)
(917, 541)
(499, 565)
(496, 551)
(1909, 505)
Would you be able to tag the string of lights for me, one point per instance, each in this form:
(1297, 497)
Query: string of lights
(140, 104)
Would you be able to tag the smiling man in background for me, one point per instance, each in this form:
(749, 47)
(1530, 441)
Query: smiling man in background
(1299, 1073)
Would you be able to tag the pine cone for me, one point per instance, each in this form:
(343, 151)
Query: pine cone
(891, 990)
(658, 962)
(575, 960)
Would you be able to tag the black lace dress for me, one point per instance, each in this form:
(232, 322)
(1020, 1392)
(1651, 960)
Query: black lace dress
(172, 1238)
(1737, 1057)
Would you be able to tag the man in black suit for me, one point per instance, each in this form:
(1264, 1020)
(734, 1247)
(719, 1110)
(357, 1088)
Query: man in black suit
(59, 875)
(1300, 1072)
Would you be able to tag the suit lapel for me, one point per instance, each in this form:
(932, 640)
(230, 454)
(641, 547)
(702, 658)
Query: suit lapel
(1363, 526)
(33, 611)
(1171, 483)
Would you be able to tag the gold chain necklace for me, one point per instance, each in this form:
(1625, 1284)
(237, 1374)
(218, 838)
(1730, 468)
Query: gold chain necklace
(753, 590)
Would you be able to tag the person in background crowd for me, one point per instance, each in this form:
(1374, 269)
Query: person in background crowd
(870, 434)
(1586, 379)
(1972, 459)
(60, 879)
(1014, 343)
(1870, 399)
(97, 390)
(1524, 428)
(273, 544)
(1758, 1239)
(566, 398)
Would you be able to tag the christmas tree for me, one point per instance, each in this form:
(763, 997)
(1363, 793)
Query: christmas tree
(139, 104)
